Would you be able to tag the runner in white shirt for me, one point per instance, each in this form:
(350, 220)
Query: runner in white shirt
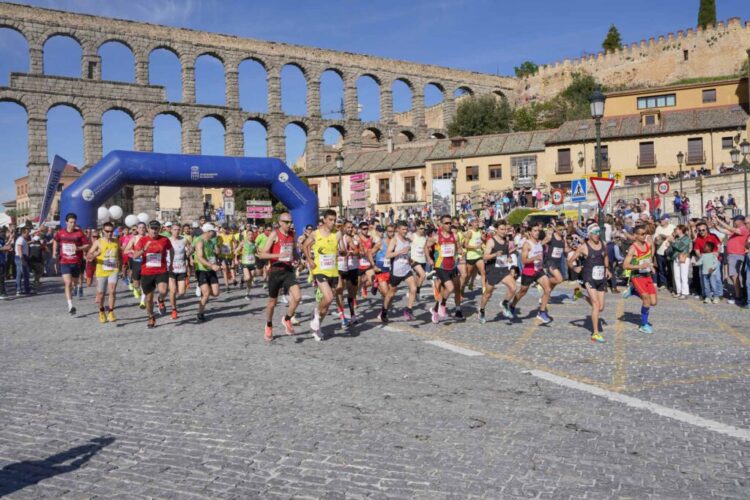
(418, 260)
(399, 250)
(177, 281)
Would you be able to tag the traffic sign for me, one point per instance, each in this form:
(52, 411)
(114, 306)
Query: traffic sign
(229, 206)
(557, 196)
(662, 188)
(228, 193)
(578, 190)
(602, 189)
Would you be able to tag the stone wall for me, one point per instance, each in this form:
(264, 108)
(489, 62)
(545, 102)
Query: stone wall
(92, 97)
(715, 51)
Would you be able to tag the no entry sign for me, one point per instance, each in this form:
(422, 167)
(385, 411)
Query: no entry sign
(662, 188)
(557, 196)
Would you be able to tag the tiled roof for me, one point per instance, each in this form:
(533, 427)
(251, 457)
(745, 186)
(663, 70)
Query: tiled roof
(492, 145)
(375, 161)
(670, 122)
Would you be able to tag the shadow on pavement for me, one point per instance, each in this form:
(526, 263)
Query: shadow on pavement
(19, 475)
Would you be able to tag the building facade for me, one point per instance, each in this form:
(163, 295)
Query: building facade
(22, 203)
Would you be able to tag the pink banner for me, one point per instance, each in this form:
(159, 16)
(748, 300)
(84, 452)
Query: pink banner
(358, 177)
(358, 195)
(358, 186)
(358, 204)
(256, 212)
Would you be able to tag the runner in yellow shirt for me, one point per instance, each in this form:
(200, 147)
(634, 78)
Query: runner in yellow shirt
(106, 252)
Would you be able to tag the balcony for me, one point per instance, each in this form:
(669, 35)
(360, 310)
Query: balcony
(384, 197)
(563, 168)
(409, 197)
(605, 164)
(646, 162)
(334, 201)
(695, 158)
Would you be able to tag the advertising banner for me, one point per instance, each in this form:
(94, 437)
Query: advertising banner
(442, 194)
(55, 173)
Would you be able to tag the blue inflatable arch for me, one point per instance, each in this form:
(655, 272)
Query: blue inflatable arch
(120, 168)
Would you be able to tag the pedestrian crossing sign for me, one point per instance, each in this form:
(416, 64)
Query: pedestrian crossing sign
(578, 190)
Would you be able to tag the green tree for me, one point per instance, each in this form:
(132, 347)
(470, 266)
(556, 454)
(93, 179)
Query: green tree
(486, 114)
(526, 118)
(613, 41)
(527, 68)
(707, 13)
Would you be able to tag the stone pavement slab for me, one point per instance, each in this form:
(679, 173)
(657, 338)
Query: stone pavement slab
(211, 411)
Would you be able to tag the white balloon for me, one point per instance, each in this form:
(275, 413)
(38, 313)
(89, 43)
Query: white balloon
(105, 219)
(102, 213)
(131, 220)
(143, 217)
(115, 212)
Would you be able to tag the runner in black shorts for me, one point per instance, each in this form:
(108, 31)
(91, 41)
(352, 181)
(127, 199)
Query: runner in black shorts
(499, 269)
(595, 275)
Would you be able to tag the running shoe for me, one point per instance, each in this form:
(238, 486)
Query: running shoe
(284, 300)
(458, 314)
(102, 317)
(315, 323)
(201, 317)
(383, 318)
(597, 337)
(716, 300)
(151, 322)
(507, 312)
(142, 305)
(296, 321)
(136, 293)
(408, 316)
(198, 292)
(265, 286)
(482, 319)
(318, 295)
(345, 322)
(543, 317)
(730, 302)
(162, 308)
(72, 311)
(130, 286)
(577, 294)
(513, 311)
(627, 292)
(317, 335)
(707, 300)
(80, 292)
(268, 334)
(247, 296)
(174, 313)
(289, 328)
(435, 316)
(442, 312)
(111, 317)
(646, 329)
(354, 319)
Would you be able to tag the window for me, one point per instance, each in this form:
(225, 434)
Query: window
(410, 185)
(695, 151)
(649, 119)
(563, 161)
(727, 143)
(496, 172)
(685, 55)
(523, 167)
(314, 188)
(657, 101)
(709, 95)
(384, 190)
(605, 156)
(472, 173)
(335, 190)
(442, 170)
(647, 157)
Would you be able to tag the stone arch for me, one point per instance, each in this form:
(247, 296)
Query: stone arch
(463, 90)
(16, 136)
(114, 39)
(107, 69)
(166, 119)
(371, 136)
(403, 98)
(293, 89)
(369, 88)
(215, 115)
(209, 76)
(209, 52)
(437, 135)
(163, 46)
(11, 38)
(334, 135)
(74, 103)
(119, 107)
(211, 139)
(166, 58)
(52, 63)
(295, 138)
(114, 129)
(15, 100)
(434, 94)
(256, 144)
(403, 136)
(332, 94)
(65, 138)
(253, 88)
(64, 32)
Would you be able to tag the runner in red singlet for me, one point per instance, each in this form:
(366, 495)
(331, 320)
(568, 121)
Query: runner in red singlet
(69, 244)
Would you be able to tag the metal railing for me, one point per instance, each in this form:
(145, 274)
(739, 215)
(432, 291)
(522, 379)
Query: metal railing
(384, 197)
(647, 163)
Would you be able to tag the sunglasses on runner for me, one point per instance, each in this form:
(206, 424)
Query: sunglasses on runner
(285, 221)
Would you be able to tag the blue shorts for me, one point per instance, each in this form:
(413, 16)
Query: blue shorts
(72, 269)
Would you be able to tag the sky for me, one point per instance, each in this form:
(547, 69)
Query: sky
(490, 36)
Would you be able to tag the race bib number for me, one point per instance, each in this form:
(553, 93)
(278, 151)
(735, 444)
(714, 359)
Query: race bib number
(178, 266)
(448, 250)
(153, 260)
(109, 263)
(326, 262)
(597, 273)
(211, 259)
(401, 267)
(352, 262)
(225, 250)
(557, 252)
(248, 259)
(502, 261)
(286, 252)
(342, 263)
(364, 263)
(418, 252)
(69, 249)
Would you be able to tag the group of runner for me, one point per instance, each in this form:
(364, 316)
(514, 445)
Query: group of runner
(345, 263)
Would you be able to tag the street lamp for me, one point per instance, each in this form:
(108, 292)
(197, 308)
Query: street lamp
(680, 159)
(597, 111)
(340, 168)
(581, 161)
(454, 176)
(745, 148)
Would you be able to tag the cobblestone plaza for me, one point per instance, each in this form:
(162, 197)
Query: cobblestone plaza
(410, 410)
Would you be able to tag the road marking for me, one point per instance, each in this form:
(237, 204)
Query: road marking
(721, 324)
(640, 404)
(454, 348)
(390, 329)
(524, 339)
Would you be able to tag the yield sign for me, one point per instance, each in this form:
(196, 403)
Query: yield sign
(602, 188)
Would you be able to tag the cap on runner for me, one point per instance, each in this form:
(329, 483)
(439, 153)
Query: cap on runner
(208, 227)
(71, 215)
(154, 224)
